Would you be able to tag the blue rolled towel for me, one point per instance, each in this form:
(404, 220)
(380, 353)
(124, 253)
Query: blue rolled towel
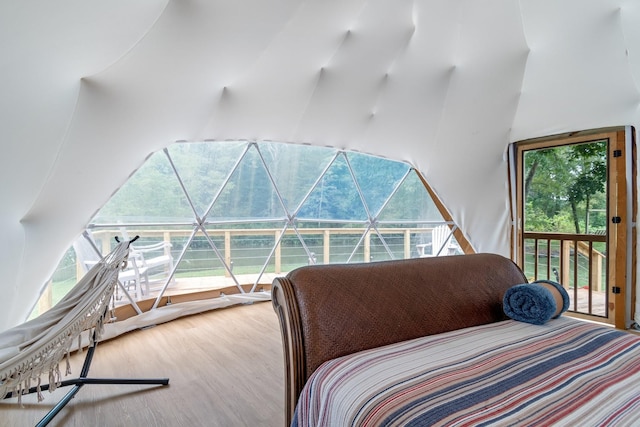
(535, 302)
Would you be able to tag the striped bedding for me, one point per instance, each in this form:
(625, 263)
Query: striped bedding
(566, 372)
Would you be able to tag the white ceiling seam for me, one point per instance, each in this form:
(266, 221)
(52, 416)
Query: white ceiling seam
(128, 51)
(54, 161)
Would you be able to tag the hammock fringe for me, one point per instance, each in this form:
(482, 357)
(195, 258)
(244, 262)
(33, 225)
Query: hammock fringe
(43, 342)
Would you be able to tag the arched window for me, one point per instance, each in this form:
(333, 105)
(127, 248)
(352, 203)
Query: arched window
(227, 217)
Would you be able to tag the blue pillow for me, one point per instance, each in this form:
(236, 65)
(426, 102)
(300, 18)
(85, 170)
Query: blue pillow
(536, 302)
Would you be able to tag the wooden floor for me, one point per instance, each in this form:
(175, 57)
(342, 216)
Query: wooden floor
(225, 368)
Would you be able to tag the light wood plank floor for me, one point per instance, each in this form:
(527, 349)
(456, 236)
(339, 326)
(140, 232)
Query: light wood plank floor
(225, 368)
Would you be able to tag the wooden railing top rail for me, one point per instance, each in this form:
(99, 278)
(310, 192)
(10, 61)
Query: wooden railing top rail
(565, 236)
(261, 231)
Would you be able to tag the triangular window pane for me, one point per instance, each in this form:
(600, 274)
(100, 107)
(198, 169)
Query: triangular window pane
(295, 168)
(249, 193)
(335, 197)
(377, 178)
(201, 269)
(411, 203)
(152, 194)
(203, 168)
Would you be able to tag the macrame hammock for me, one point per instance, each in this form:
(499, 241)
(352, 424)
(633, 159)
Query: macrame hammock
(37, 347)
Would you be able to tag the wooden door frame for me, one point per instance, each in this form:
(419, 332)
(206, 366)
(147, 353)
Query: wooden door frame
(621, 194)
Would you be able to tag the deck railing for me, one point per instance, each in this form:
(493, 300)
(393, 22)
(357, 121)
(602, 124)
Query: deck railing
(246, 251)
(577, 261)
(403, 242)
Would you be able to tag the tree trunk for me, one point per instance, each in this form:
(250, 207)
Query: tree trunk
(586, 215)
(574, 212)
(529, 179)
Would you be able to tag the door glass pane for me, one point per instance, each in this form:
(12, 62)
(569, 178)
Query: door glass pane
(565, 189)
(565, 221)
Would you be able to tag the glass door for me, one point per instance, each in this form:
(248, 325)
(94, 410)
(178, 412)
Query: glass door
(572, 219)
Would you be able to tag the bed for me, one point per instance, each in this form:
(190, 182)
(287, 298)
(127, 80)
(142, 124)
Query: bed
(427, 342)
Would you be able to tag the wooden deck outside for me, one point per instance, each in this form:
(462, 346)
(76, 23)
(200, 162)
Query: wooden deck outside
(598, 302)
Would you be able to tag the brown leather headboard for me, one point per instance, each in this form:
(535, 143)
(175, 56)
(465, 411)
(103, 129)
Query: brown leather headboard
(327, 311)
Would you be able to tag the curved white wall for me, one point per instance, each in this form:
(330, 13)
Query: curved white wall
(89, 89)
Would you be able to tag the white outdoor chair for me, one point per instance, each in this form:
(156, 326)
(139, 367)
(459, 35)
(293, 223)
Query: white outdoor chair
(154, 258)
(441, 243)
(134, 279)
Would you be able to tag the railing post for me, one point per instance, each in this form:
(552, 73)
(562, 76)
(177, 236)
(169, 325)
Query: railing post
(407, 244)
(596, 272)
(367, 247)
(79, 269)
(278, 252)
(227, 251)
(106, 243)
(566, 262)
(326, 245)
(46, 299)
(166, 237)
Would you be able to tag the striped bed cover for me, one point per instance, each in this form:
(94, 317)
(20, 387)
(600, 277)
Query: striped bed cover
(566, 372)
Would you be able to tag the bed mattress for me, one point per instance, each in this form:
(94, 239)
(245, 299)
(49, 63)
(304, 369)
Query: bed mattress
(565, 372)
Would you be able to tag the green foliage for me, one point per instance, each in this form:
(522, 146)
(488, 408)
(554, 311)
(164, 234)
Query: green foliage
(244, 185)
(232, 181)
(335, 197)
(540, 220)
(565, 188)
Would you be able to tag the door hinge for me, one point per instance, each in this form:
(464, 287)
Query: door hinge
(616, 220)
(615, 289)
(617, 153)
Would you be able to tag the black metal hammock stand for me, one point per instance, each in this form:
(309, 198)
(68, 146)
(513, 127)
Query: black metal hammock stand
(83, 308)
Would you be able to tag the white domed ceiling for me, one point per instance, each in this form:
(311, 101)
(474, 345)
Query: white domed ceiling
(90, 89)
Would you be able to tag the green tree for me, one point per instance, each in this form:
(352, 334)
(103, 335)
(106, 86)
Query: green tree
(590, 175)
(564, 183)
